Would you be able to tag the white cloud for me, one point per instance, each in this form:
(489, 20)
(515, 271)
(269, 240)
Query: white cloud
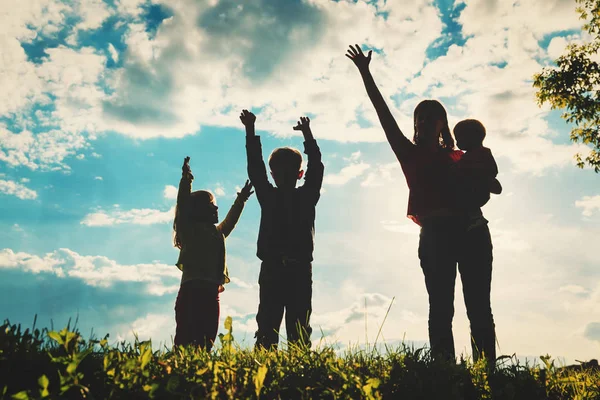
(164, 78)
(573, 289)
(170, 192)
(16, 189)
(143, 216)
(113, 52)
(148, 327)
(98, 178)
(93, 12)
(220, 191)
(590, 205)
(354, 169)
(95, 270)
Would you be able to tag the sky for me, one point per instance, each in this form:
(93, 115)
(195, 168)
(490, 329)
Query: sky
(102, 100)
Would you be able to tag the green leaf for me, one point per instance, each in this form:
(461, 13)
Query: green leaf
(55, 336)
(146, 357)
(23, 395)
(43, 381)
(259, 379)
(228, 324)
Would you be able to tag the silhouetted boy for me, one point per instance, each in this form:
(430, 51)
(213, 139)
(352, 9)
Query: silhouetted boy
(286, 235)
(476, 171)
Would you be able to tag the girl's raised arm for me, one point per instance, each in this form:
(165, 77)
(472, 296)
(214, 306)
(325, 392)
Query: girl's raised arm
(399, 143)
(185, 186)
(233, 216)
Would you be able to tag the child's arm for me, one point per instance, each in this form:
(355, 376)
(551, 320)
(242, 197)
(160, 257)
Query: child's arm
(256, 166)
(233, 216)
(185, 187)
(399, 143)
(314, 167)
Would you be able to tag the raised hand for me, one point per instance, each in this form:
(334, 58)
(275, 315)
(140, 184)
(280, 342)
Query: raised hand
(247, 118)
(246, 190)
(186, 170)
(303, 124)
(358, 57)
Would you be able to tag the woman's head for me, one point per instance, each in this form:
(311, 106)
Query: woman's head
(202, 208)
(431, 125)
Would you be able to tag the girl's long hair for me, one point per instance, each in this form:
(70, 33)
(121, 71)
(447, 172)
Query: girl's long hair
(180, 221)
(435, 108)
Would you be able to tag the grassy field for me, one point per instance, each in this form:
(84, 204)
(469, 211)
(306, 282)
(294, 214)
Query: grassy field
(55, 365)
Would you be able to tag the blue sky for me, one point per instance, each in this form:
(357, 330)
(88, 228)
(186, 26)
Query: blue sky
(104, 99)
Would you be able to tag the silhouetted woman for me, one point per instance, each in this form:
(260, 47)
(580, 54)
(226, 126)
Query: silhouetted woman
(444, 239)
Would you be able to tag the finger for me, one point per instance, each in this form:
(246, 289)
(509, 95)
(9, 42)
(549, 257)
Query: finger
(349, 57)
(369, 55)
(307, 119)
(359, 50)
(252, 192)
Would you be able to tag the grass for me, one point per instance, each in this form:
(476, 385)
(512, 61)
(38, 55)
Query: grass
(46, 364)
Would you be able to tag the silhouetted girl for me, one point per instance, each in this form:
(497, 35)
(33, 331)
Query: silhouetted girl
(444, 237)
(201, 259)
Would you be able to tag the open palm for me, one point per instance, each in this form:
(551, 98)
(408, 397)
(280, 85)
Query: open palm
(358, 57)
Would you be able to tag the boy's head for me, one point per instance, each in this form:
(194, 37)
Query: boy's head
(204, 207)
(469, 134)
(286, 167)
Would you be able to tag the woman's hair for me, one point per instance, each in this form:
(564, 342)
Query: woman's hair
(434, 108)
(196, 198)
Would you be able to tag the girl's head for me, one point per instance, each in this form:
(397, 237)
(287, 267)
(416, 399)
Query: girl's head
(202, 208)
(431, 125)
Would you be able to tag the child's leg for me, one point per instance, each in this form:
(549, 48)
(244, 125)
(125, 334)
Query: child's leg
(208, 316)
(475, 266)
(183, 316)
(270, 307)
(298, 303)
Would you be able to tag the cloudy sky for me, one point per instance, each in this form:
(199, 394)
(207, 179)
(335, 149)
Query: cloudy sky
(102, 100)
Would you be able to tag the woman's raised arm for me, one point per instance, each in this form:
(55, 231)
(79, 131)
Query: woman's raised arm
(399, 143)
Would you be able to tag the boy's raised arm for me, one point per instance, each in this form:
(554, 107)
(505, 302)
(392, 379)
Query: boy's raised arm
(399, 143)
(314, 166)
(256, 166)
(233, 216)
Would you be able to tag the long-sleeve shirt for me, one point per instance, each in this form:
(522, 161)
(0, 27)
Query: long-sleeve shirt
(287, 222)
(202, 254)
(426, 172)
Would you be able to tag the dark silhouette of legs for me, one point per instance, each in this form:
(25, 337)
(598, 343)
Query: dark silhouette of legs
(475, 266)
(437, 252)
(299, 304)
(284, 287)
(197, 314)
(270, 307)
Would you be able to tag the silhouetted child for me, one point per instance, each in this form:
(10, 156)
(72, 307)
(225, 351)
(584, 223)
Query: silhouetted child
(286, 235)
(476, 171)
(201, 259)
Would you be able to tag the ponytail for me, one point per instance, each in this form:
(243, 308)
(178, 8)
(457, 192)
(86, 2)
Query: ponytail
(176, 239)
(446, 139)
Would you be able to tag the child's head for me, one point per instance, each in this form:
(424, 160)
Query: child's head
(469, 134)
(203, 208)
(431, 125)
(286, 166)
